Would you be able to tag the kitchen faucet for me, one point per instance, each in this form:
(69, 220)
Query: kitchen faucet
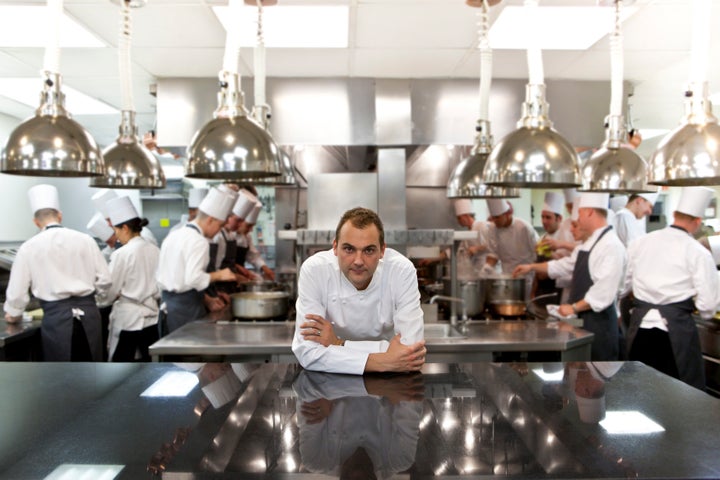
(461, 301)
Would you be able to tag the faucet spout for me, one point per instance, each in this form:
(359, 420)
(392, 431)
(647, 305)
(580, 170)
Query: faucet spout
(461, 301)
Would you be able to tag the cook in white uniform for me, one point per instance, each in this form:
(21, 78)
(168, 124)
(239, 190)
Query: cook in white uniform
(134, 293)
(358, 305)
(100, 198)
(629, 221)
(101, 230)
(184, 258)
(63, 269)
(598, 269)
(247, 252)
(195, 196)
(565, 230)
(358, 427)
(552, 245)
(671, 274)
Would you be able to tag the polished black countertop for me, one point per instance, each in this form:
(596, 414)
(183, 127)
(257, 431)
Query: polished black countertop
(248, 421)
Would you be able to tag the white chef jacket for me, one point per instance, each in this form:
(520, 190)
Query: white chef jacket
(514, 245)
(627, 226)
(221, 243)
(56, 263)
(388, 432)
(366, 319)
(482, 229)
(253, 256)
(562, 235)
(607, 263)
(147, 234)
(668, 266)
(184, 257)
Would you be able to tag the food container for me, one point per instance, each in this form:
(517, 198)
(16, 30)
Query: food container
(259, 305)
(472, 291)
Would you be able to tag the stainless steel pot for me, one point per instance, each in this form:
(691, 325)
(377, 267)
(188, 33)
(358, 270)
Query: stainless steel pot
(260, 286)
(259, 305)
(470, 290)
(505, 288)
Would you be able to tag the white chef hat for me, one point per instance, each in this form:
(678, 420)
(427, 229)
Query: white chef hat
(245, 204)
(694, 200)
(120, 210)
(218, 204)
(650, 197)
(100, 228)
(253, 216)
(594, 200)
(591, 410)
(570, 194)
(497, 206)
(101, 197)
(554, 202)
(222, 390)
(195, 196)
(618, 202)
(43, 196)
(575, 210)
(714, 241)
(463, 206)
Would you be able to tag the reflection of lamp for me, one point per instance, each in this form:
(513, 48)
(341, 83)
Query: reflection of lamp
(128, 163)
(51, 144)
(690, 154)
(615, 167)
(466, 179)
(232, 146)
(534, 155)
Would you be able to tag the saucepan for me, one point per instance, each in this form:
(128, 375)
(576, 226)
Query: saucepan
(260, 286)
(259, 305)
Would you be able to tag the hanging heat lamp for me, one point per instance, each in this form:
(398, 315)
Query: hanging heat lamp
(615, 167)
(466, 179)
(128, 163)
(232, 146)
(261, 110)
(534, 155)
(690, 154)
(51, 144)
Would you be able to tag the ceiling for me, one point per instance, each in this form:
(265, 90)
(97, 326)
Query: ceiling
(388, 39)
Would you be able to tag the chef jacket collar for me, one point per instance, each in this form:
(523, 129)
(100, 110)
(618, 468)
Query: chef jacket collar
(52, 225)
(680, 228)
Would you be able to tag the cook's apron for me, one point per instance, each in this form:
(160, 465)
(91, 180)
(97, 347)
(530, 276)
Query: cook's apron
(240, 254)
(604, 323)
(70, 330)
(683, 334)
(546, 286)
(126, 311)
(182, 308)
(228, 261)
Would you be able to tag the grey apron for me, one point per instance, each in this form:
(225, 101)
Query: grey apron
(683, 334)
(604, 323)
(59, 318)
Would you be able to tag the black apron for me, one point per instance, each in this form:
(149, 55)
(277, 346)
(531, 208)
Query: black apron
(71, 336)
(228, 261)
(603, 324)
(240, 254)
(683, 334)
(546, 286)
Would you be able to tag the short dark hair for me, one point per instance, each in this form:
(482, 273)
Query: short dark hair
(601, 211)
(360, 218)
(134, 224)
(44, 214)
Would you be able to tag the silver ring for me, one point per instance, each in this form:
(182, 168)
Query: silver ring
(317, 332)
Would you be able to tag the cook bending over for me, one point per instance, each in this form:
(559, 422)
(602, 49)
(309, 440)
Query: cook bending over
(358, 305)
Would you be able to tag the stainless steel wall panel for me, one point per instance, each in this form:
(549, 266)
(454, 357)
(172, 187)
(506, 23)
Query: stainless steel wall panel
(331, 194)
(391, 187)
(393, 108)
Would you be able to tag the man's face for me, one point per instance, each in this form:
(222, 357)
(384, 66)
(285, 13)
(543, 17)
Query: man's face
(212, 227)
(645, 207)
(242, 227)
(575, 230)
(584, 223)
(232, 223)
(503, 220)
(465, 220)
(550, 221)
(358, 252)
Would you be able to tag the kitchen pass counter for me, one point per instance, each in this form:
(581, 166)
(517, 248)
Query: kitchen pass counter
(468, 420)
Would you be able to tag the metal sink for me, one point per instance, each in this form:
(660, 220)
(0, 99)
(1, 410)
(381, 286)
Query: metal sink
(439, 330)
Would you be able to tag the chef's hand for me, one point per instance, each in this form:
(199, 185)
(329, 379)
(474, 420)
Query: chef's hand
(10, 319)
(475, 249)
(214, 304)
(319, 330)
(398, 357)
(316, 411)
(402, 388)
(566, 310)
(487, 270)
(268, 274)
(245, 272)
(522, 270)
(224, 275)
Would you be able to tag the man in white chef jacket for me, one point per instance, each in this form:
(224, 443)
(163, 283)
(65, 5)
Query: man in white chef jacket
(629, 221)
(598, 268)
(64, 269)
(671, 274)
(100, 229)
(246, 250)
(358, 306)
(101, 197)
(184, 257)
(553, 244)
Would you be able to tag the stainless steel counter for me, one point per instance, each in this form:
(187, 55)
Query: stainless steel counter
(216, 339)
(20, 341)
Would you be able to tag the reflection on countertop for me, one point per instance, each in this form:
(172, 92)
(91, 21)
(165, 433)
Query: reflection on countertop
(525, 420)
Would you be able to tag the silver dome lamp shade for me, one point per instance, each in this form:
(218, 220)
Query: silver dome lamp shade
(286, 178)
(128, 163)
(232, 146)
(51, 143)
(466, 179)
(690, 154)
(615, 167)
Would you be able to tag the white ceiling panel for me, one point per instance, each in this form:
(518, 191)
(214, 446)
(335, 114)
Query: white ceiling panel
(405, 63)
(293, 62)
(181, 62)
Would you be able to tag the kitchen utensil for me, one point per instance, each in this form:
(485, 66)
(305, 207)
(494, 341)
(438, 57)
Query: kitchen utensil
(508, 308)
(470, 290)
(259, 305)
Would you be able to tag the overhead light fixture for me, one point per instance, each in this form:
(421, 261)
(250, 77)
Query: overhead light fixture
(466, 179)
(615, 167)
(232, 146)
(292, 26)
(29, 26)
(128, 163)
(690, 154)
(534, 155)
(51, 144)
(261, 111)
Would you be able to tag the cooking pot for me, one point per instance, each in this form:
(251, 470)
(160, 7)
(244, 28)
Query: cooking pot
(470, 290)
(259, 305)
(505, 288)
(508, 308)
(260, 286)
